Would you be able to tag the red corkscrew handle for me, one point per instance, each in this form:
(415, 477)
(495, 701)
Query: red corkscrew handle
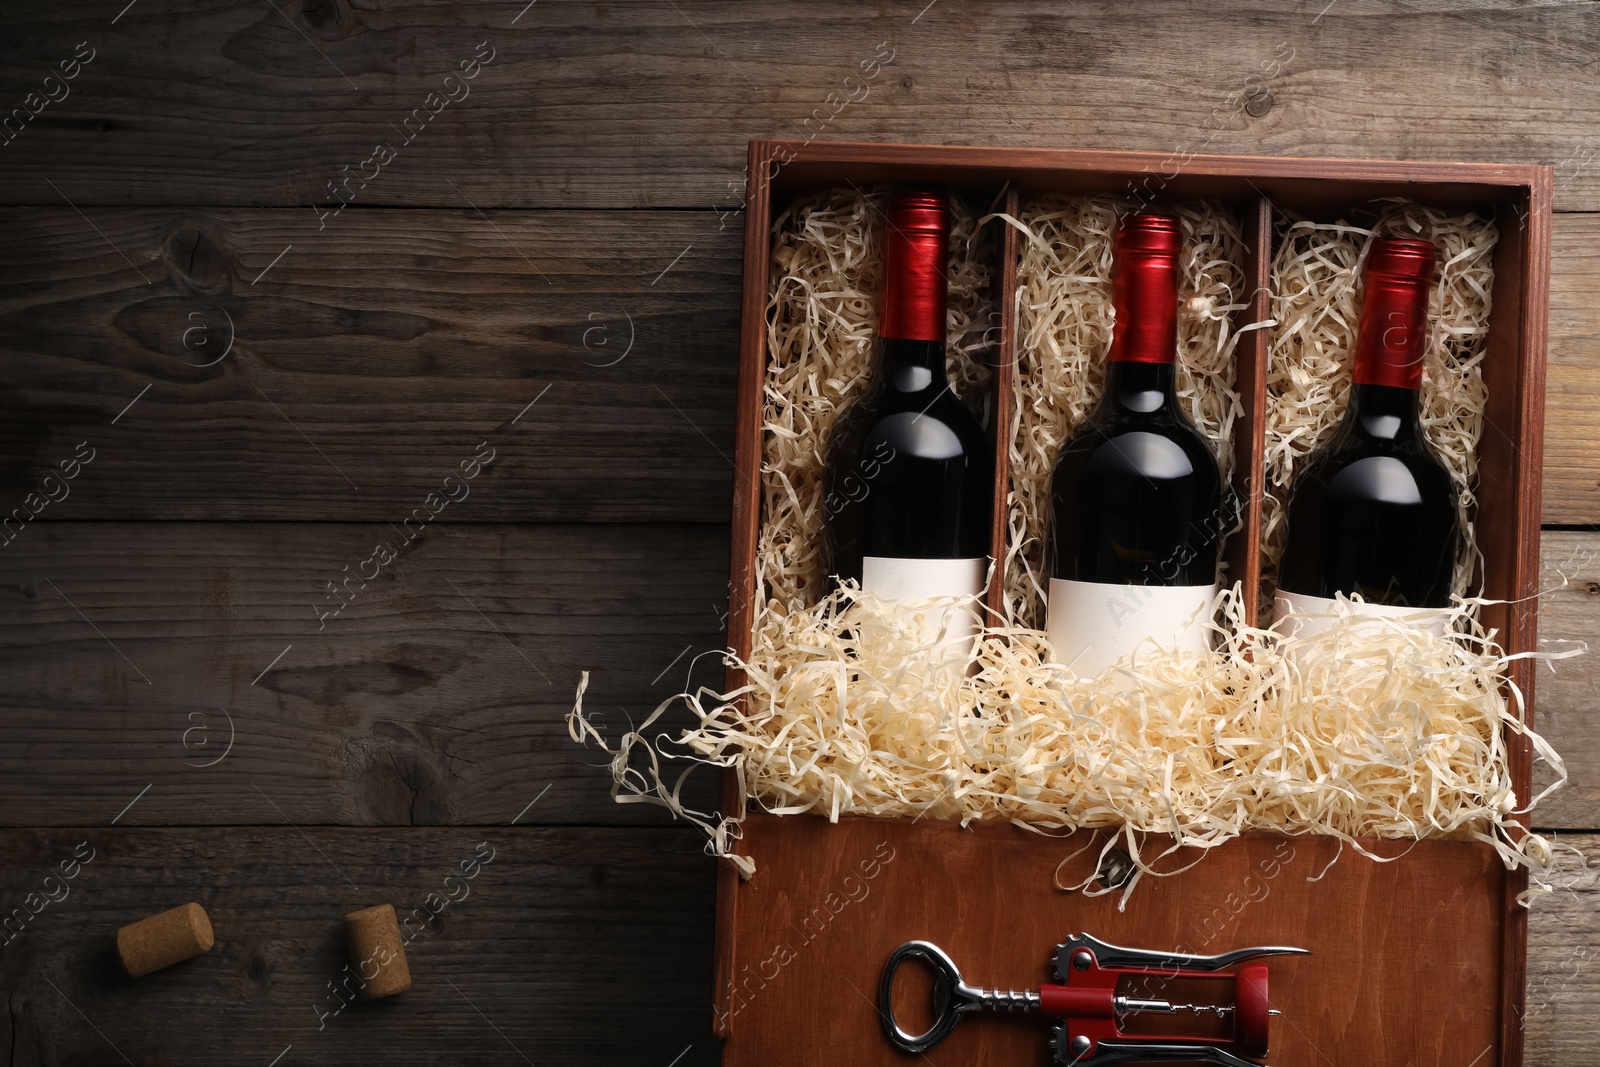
(1251, 1010)
(1092, 1012)
(1075, 1002)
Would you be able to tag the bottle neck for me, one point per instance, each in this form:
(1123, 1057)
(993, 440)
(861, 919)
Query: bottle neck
(1144, 292)
(1392, 335)
(1141, 387)
(911, 366)
(916, 245)
(1384, 412)
(911, 320)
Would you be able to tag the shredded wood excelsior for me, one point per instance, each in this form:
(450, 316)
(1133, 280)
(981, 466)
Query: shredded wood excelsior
(1366, 731)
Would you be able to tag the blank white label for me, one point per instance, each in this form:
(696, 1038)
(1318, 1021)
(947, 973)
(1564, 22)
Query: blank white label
(1299, 615)
(915, 587)
(1093, 625)
(922, 579)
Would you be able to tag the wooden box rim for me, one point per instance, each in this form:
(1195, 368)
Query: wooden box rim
(1316, 168)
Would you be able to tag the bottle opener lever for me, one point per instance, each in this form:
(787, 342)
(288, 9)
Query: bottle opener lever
(1092, 1012)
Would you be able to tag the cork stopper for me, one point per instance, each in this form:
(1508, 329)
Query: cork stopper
(377, 951)
(162, 940)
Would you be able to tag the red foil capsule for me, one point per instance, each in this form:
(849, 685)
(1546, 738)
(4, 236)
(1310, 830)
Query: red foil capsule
(1144, 290)
(916, 243)
(1393, 334)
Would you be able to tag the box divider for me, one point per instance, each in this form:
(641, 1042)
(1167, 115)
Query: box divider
(1249, 434)
(1005, 365)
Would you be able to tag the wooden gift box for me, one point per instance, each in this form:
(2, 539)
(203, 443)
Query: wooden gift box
(1417, 961)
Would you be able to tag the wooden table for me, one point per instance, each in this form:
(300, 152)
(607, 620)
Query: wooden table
(543, 267)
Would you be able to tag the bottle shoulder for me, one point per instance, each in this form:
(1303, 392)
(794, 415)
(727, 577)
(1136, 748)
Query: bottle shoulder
(920, 422)
(1141, 439)
(1351, 447)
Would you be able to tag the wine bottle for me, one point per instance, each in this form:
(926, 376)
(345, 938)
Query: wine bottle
(910, 471)
(1374, 512)
(1136, 498)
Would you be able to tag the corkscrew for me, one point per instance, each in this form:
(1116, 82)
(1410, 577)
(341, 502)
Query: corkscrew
(1092, 1012)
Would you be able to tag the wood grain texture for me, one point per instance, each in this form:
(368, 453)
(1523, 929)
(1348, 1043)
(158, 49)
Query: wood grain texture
(569, 946)
(1569, 618)
(1510, 453)
(367, 362)
(987, 896)
(443, 329)
(438, 696)
(396, 340)
(1572, 398)
(1490, 968)
(1564, 964)
(745, 525)
(648, 105)
(558, 927)
(1249, 445)
(1004, 359)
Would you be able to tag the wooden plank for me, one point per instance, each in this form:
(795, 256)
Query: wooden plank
(408, 707)
(568, 946)
(445, 329)
(1313, 184)
(871, 885)
(561, 927)
(437, 696)
(1564, 964)
(367, 362)
(1004, 360)
(1568, 618)
(746, 522)
(1510, 473)
(834, 901)
(644, 105)
(1572, 401)
(1243, 549)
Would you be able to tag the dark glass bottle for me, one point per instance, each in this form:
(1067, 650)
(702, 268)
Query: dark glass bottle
(1136, 498)
(910, 471)
(1374, 512)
